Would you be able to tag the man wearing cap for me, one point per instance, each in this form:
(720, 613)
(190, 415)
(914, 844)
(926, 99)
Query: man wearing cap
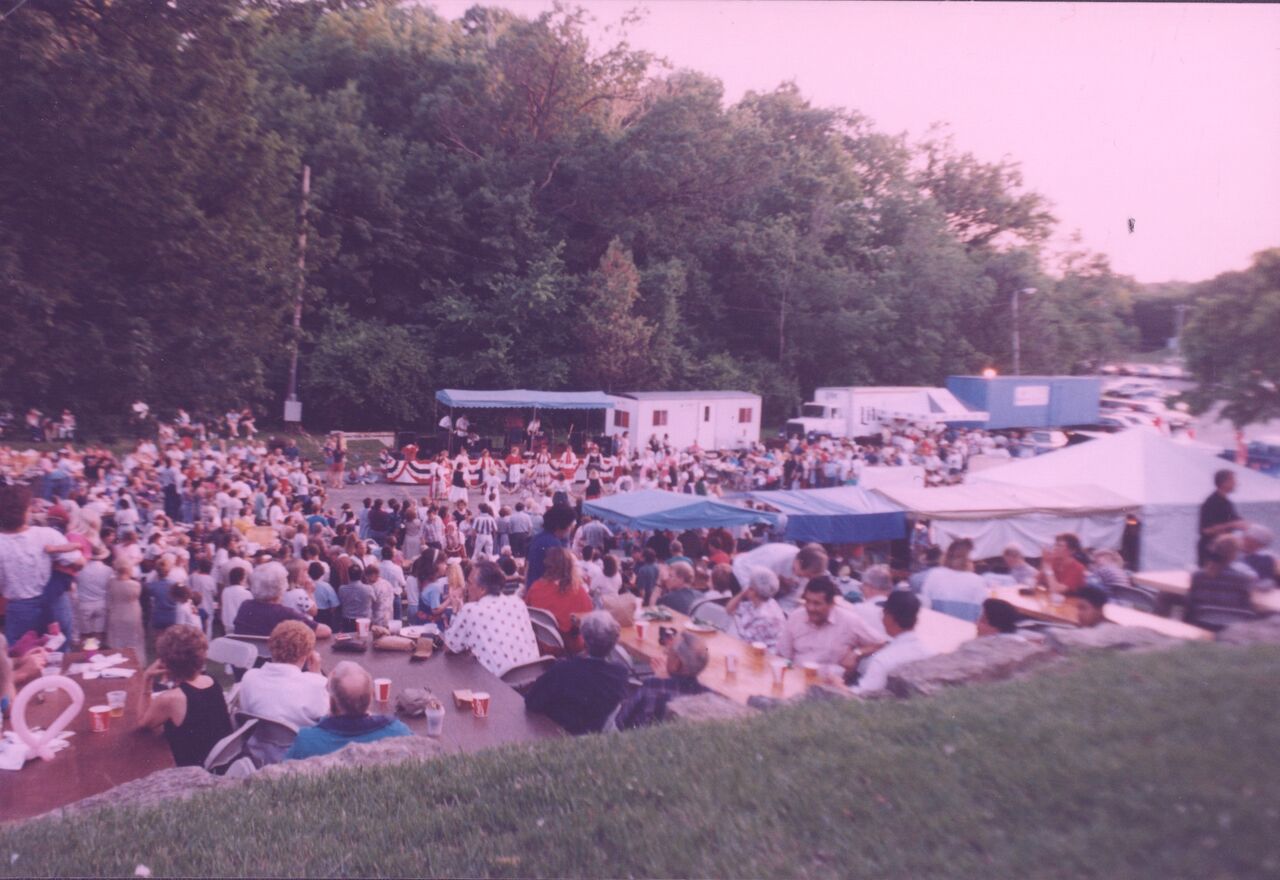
(687, 656)
(901, 609)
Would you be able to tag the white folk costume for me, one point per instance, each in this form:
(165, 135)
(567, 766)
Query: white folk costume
(542, 470)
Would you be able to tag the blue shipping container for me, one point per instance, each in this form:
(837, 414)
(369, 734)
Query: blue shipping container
(1030, 401)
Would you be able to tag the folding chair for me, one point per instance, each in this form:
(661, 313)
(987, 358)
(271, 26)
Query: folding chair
(1138, 598)
(543, 615)
(523, 675)
(236, 654)
(548, 637)
(711, 612)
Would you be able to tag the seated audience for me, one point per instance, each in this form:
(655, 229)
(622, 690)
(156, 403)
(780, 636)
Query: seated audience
(579, 693)
(1109, 571)
(350, 696)
(687, 656)
(289, 690)
(1090, 605)
(819, 632)
(901, 609)
(998, 618)
(560, 592)
(259, 616)
(1255, 559)
(1023, 572)
(954, 588)
(356, 597)
(1218, 584)
(678, 592)
(755, 611)
(233, 596)
(494, 627)
(193, 712)
(1061, 568)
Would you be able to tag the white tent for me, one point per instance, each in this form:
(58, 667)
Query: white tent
(1168, 479)
(994, 516)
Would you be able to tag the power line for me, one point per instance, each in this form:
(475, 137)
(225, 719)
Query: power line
(21, 3)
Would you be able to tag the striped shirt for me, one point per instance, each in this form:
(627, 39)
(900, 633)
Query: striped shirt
(484, 524)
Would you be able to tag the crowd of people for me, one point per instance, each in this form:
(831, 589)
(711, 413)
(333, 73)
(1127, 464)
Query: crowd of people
(184, 538)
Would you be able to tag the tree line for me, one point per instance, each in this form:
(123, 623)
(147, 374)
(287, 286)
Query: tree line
(494, 202)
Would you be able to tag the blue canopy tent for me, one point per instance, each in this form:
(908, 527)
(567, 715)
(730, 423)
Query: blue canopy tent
(652, 509)
(519, 398)
(841, 515)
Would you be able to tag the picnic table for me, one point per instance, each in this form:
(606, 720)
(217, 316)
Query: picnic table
(1040, 607)
(1177, 584)
(93, 762)
(443, 673)
(753, 676)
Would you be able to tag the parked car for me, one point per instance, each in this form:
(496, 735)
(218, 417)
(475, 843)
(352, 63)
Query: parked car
(1260, 455)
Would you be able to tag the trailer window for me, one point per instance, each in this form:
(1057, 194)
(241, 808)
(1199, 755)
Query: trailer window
(706, 413)
(744, 415)
(659, 418)
(621, 418)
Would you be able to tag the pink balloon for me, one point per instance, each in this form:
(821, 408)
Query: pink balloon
(40, 747)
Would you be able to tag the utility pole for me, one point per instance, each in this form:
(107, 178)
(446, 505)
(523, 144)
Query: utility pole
(1179, 318)
(293, 406)
(1017, 338)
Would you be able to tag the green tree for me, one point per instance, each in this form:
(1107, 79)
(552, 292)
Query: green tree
(613, 339)
(1230, 341)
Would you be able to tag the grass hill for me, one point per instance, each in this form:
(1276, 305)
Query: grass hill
(1163, 766)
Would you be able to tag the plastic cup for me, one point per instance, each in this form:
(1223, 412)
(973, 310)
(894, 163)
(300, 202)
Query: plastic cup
(49, 672)
(435, 721)
(759, 648)
(382, 689)
(99, 718)
(640, 630)
(362, 627)
(53, 660)
(480, 704)
(730, 664)
(116, 700)
(810, 672)
(395, 627)
(778, 667)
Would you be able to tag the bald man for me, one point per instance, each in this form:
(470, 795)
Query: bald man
(349, 721)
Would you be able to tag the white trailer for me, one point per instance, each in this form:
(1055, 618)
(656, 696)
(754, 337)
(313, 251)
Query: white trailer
(711, 419)
(862, 411)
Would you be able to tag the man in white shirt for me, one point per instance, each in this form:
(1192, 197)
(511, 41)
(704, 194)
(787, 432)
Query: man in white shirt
(793, 565)
(289, 690)
(495, 628)
(235, 595)
(819, 632)
(900, 612)
(91, 596)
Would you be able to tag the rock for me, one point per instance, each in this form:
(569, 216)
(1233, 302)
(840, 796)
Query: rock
(826, 693)
(765, 704)
(394, 750)
(988, 659)
(180, 783)
(177, 783)
(1109, 637)
(1265, 631)
(707, 707)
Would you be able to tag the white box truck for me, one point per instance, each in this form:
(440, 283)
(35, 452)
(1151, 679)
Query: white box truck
(862, 411)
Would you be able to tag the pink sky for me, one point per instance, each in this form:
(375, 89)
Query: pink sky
(1169, 114)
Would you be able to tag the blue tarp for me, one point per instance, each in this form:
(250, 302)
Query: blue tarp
(841, 515)
(652, 509)
(519, 398)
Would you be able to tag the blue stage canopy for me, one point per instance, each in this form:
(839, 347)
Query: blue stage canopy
(653, 509)
(840, 515)
(519, 398)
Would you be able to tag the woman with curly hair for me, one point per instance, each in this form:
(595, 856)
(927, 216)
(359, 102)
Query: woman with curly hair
(560, 592)
(192, 714)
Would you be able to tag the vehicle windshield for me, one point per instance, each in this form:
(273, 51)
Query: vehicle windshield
(813, 411)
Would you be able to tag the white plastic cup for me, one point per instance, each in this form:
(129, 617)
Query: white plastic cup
(116, 700)
(778, 667)
(730, 664)
(49, 672)
(395, 627)
(362, 627)
(435, 721)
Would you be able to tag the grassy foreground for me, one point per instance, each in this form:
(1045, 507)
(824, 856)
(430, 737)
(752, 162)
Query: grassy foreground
(1162, 766)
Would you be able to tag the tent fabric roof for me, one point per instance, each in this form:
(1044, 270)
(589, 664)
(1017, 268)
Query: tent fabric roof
(840, 515)
(520, 398)
(1141, 465)
(655, 509)
(1000, 501)
(688, 395)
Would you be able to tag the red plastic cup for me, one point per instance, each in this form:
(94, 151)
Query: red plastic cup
(99, 718)
(480, 704)
(640, 630)
(382, 689)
